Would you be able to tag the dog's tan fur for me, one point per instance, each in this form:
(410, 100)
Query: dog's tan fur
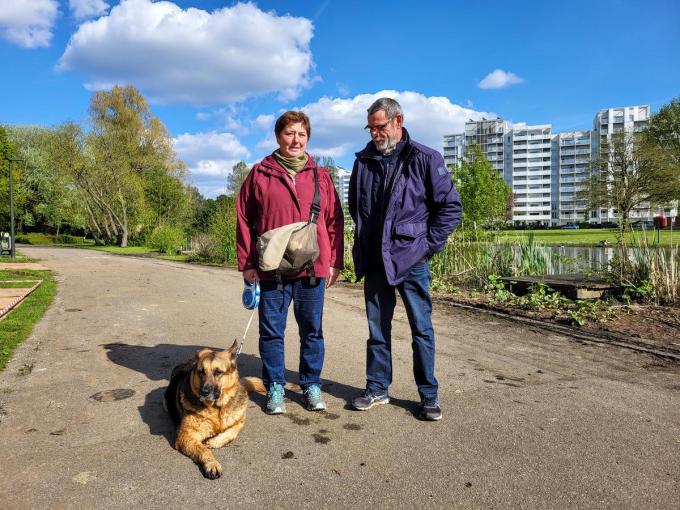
(208, 401)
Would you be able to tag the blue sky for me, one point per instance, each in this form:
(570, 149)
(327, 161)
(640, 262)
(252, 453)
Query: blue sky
(218, 73)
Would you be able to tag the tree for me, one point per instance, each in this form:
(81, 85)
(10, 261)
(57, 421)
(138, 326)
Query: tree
(483, 193)
(663, 134)
(52, 202)
(125, 146)
(626, 175)
(328, 163)
(235, 179)
(9, 150)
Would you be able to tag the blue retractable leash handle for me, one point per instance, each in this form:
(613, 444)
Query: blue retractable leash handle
(251, 294)
(250, 299)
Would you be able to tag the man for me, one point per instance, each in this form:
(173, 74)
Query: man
(404, 206)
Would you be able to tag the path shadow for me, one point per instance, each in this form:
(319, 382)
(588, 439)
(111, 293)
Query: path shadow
(156, 363)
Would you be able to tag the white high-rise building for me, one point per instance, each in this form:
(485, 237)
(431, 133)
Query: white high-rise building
(453, 149)
(573, 155)
(490, 137)
(342, 184)
(531, 162)
(546, 171)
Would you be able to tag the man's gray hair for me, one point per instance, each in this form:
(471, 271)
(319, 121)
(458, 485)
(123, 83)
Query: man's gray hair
(388, 105)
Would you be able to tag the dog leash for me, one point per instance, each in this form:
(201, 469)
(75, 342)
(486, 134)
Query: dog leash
(240, 345)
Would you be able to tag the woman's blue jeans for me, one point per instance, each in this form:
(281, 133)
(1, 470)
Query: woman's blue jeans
(380, 300)
(273, 311)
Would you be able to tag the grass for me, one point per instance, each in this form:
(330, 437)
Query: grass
(586, 237)
(128, 250)
(18, 323)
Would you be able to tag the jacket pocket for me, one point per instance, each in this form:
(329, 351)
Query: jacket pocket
(410, 230)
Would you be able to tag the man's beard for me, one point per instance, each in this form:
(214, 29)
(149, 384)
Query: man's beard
(387, 146)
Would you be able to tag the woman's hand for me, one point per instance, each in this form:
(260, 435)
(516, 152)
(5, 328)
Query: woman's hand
(250, 275)
(334, 276)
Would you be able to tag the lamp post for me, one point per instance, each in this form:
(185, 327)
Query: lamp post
(11, 206)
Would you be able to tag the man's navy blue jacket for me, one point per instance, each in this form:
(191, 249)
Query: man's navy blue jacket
(408, 222)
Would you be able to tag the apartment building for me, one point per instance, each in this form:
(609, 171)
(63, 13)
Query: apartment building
(546, 170)
(572, 152)
(531, 162)
(342, 184)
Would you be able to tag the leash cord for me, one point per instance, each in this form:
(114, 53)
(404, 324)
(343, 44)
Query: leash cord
(240, 346)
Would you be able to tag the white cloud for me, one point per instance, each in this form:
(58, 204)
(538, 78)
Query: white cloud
(28, 23)
(337, 124)
(498, 79)
(177, 55)
(210, 157)
(85, 9)
(264, 122)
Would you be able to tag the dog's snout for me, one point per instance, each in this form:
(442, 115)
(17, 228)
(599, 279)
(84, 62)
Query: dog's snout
(207, 390)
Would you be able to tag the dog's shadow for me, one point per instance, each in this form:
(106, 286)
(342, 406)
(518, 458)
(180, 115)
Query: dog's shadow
(156, 363)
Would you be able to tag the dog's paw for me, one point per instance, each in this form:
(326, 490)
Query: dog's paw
(212, 469)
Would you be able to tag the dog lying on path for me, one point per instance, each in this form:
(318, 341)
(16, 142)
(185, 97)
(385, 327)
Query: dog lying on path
(207, 401)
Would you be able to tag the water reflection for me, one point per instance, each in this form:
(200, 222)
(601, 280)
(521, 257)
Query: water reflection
(573, 259)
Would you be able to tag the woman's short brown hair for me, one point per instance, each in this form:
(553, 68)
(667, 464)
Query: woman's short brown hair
(291, 117)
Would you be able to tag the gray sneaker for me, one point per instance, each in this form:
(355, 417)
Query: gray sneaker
(313, 399)
(367, 399)
(275, 403)
(429, 410)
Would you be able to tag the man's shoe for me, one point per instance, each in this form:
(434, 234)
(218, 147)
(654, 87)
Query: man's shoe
(275, 403)
(429, 410)
(313, 399)
(367, 399)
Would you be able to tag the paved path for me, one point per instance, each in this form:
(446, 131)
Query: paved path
(532, 419)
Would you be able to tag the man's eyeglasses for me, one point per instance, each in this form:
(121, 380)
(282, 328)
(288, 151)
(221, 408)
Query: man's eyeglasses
(378, 128)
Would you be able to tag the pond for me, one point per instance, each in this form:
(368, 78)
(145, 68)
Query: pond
(572, 259)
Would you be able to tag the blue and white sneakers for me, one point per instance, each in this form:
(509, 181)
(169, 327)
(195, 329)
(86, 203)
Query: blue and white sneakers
(313, 399)
(275, 395)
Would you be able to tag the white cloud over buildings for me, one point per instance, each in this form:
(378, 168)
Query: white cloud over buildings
(499, 79)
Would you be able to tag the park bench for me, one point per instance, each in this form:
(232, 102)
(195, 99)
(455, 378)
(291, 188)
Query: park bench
(573, 286)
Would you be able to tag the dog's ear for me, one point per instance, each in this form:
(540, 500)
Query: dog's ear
(202, 352)
(233, 349)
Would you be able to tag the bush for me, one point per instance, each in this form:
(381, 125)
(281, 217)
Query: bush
(40, 238)
(204, 248)
(166, 239)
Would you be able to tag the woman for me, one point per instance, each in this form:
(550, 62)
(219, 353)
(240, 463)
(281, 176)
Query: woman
(279, 191)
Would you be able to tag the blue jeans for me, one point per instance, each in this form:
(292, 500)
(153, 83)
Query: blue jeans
(273, 312)
(380, 300)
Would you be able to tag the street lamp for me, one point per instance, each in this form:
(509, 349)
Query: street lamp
(11, 206)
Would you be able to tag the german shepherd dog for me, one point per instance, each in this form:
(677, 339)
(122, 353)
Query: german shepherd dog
(207, 401)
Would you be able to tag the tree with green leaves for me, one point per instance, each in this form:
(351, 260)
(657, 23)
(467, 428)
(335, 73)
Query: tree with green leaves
(627, 174)
(483, 192)
(235, 179)
(8, 151)
(52, 202)
(126, 146)
(329, 164)
(663, 134)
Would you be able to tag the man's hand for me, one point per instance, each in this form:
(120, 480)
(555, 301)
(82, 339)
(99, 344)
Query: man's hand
(250, 275)
(334, 276)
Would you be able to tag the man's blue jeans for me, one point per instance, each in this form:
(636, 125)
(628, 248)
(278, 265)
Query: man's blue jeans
(273, 312)
(380, 300)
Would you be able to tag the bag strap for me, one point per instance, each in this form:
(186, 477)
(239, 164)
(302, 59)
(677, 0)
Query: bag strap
(316, 203)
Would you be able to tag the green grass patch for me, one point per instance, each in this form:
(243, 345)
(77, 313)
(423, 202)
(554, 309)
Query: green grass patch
(175, 258)
(38, 238)
(587, 236)
(19, 258)
(18, 323)
(127, 250)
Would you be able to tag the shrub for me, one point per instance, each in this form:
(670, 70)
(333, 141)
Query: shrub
(166, 239)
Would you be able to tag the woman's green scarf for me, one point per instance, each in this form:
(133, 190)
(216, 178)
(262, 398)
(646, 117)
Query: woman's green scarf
(292, 165)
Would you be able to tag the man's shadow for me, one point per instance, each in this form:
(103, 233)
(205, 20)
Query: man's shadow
(156, 363)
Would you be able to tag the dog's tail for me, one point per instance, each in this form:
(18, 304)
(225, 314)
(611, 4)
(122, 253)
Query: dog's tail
(253, 384)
